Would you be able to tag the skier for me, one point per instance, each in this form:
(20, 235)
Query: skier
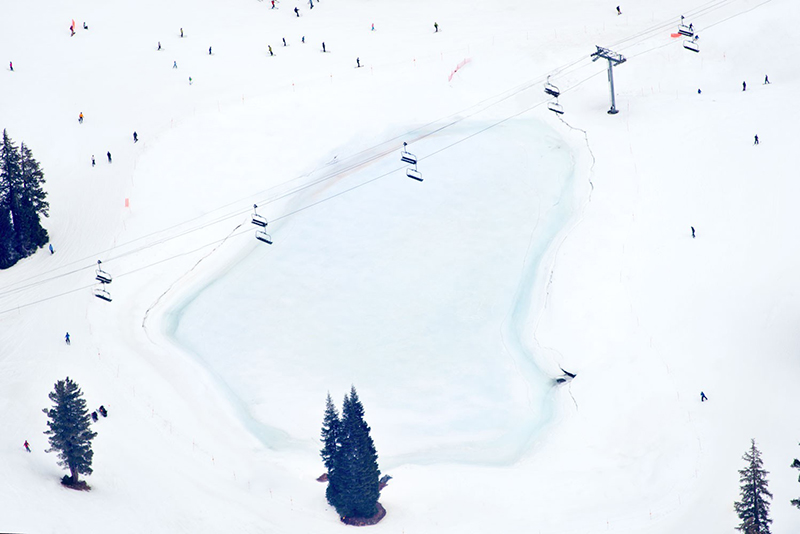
(270, 50)
(11, 66)
(159, 45)
(297, 12)
(72, 29)
(619, 12)
(66, 338)
(103, 411)
(190, 80)
(108, 154)
(135, 138)
(358, 62)
(174, 64)
(51, 249)
(80, 117)
(703, 397)
(766, 79)
(311, 3)
(373, 27)
(209, 50)
(744, 86)
(303, 39)
(284, 41)
(756, 140)
(692, 232)
(436, 27)
(27, 446)
(323, 46)
(92, 160)
(181, 32)
(273, 4)
(691, 27)
(85, 27)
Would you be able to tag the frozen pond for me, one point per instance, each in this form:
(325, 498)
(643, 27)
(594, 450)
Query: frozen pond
(418, 293)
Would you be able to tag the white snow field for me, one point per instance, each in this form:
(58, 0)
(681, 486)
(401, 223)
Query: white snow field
(532, 243)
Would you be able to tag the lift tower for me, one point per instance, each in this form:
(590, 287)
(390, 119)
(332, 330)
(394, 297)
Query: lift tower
(614, 59)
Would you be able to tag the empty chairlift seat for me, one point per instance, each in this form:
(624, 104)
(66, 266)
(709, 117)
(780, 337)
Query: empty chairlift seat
(551, 89)
(414, 173)
(406, 156)
(691, 44)
(555, 107)
(261, 235)
(101, 293)
(102, 276)
(258, 220)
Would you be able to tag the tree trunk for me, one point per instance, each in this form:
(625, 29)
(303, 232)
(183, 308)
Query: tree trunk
(74, 473)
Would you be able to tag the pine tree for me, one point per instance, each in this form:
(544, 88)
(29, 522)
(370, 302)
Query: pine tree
(361, 460)
(353, 474)
(22, 201)
(331, 428)
(753, 508)
(70, 435)
(9, 174)
(796, 465)
(31, 203)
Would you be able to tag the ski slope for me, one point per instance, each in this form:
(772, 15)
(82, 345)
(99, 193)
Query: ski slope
(532, 243)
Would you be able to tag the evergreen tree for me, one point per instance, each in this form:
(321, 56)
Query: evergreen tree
(796, 465)
(70, 435)
(30, 203)
(9, 174)
(22, 201)
(753, 508)
(353, 474)
(331, 428)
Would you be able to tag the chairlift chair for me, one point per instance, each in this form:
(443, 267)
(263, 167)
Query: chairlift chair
(101, 293)
(551, 89)
(102, 276)
(414, 173)
(258, 220)
(685, 30)
(691, 44)
(261, 235)
(406, 156)
(555, 107)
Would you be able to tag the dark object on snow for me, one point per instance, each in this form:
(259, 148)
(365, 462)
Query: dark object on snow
(358, 62)
(284, 41)
(571, 375)
(51, 249)
(744, 86)
(297, 12)
(703, 397)
(159, 45)
(435, 27)
(323, 46)
(103, 411)
(619, 12)
(364, 521)
(66, 338)
(323, 477)
(756, 141)
(384, 481)
(766, 79)
(85, 27)
(27, 446)
(11, 66)
(135, 138)
(181, 32)
(108, 155)
(93, 162)
(94, 416)
(692, 227)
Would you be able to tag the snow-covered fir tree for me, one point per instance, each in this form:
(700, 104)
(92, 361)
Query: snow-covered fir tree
(69, 431)
(351, 458)
(753, 508)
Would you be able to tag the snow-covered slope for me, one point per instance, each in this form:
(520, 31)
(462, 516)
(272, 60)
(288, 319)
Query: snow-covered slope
(532, 243)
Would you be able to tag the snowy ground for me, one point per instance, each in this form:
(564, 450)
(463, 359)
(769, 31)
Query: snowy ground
(531, 244)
